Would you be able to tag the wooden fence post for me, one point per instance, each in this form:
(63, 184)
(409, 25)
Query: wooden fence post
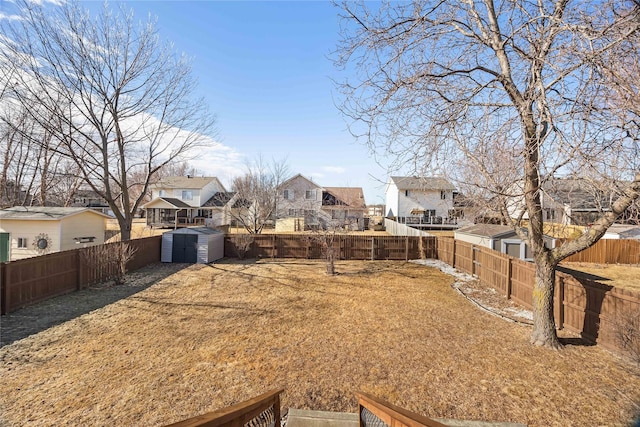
(79, 265)
(560, 322)
(372, 248)
(509, 278)
(274, 248)
(3, 288)
(406, 248)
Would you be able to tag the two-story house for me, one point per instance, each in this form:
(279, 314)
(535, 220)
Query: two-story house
(420, 200)
(178, 201)
(302, 204)
(566, 200)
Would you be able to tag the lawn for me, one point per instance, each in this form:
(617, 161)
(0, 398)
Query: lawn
(620, 276)
(210, 336)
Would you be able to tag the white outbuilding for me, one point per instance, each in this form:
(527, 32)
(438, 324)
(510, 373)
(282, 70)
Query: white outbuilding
(199, 245)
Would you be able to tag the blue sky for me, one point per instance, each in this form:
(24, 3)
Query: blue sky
(264, 69)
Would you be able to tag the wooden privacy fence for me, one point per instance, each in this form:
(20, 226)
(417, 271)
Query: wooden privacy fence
(347, 247)
(582, 306)
(30, 280)
(609, 251)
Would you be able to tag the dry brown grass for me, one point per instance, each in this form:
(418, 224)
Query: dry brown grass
(210, 336)
(620, 276)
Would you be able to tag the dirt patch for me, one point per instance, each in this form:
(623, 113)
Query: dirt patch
(210, 336)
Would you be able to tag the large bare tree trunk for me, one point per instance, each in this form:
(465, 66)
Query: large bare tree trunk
(544, 328)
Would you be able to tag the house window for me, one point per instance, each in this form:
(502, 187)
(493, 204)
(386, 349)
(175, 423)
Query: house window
(443, 194)
(162, 193)
(22, 242)
(551, 214)
(187, 195)
(309, 194)
(406, 193)
(288, 194)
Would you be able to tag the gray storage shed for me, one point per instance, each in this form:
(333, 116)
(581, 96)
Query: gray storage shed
(501, 238)
(192, 245)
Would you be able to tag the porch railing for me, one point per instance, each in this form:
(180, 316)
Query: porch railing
(375, 412)
(261, 411)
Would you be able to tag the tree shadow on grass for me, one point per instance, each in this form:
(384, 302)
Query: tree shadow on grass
(54, 311)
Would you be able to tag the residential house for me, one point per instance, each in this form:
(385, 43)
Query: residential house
(567, 201)
(179, 201)
(344, 206)
(501, 238)
(88, 198)
(420, 201)
(622, 231)
(302, 204)
(27, 231)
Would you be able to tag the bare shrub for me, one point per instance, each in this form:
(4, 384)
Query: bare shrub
(626, 333)
(242, 244)
(113, 257)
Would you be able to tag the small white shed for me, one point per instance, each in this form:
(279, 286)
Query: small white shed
(192, 245)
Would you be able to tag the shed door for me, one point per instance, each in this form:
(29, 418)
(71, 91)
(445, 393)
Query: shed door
(4, 247)
(185, 248)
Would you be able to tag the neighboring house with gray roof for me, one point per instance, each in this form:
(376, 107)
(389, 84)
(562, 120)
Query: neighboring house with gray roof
(567, 201)
(28, 231)
(428, 200)
(179, 201)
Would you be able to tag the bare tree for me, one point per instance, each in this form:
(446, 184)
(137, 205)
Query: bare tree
(254, 203)
(514, 93)
(118, 100)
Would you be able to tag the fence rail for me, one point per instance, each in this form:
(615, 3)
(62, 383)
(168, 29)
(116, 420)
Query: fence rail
(347, 247)
(261, 411)
(374, 412)
(31, 280)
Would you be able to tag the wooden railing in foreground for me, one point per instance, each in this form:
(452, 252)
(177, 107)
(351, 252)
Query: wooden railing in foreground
(261, 411)
(374, 412)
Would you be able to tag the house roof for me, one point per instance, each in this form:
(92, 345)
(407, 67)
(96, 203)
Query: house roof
(43, 213)
(625, 231)
(421, 183)
(175, 203)
(194, 182)
(218, 200)
(352, 197)
(580, 194)
(299, 176)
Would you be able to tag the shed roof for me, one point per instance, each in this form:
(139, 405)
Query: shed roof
(195, 230)
(44, 213)
(422, 183)
(487, 230)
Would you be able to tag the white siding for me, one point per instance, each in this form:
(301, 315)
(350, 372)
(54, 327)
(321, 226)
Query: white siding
(85, 224)
(216, 247)
(392, 200)
(29, 230)
(475, 240)
(424, 200)
(166, 253)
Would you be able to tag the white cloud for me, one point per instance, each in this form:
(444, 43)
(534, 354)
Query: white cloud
(334, 169)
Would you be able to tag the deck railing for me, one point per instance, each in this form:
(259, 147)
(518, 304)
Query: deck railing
(261, 411)
(375, 412)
